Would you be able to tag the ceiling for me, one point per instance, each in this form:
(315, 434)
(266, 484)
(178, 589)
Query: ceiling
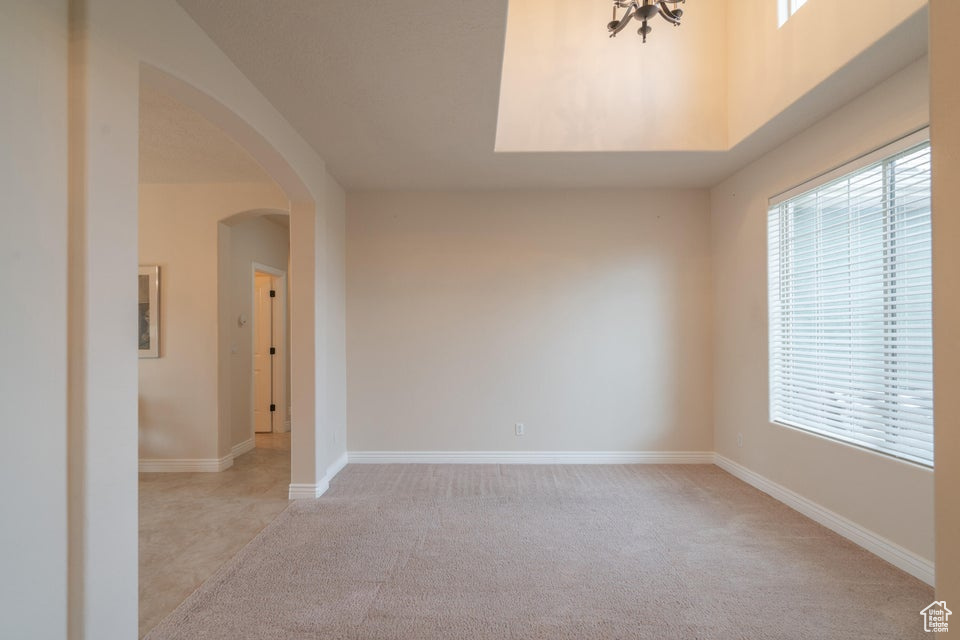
(566, 86)
(407, 96)
(178, 145)
(278, 218)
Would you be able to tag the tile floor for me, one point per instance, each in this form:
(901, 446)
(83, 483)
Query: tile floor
(191, 523)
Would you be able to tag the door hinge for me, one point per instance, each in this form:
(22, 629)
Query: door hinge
(273, 351)
(273, 294)
(273, 407)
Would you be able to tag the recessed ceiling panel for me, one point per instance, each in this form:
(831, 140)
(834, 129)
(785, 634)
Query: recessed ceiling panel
(567, 86)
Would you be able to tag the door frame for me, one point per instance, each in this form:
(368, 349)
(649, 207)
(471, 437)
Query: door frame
(280, 419)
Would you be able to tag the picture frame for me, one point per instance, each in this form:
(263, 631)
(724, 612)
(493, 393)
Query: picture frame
(148, 311)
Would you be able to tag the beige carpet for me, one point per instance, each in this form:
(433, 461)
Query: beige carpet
(553, 552)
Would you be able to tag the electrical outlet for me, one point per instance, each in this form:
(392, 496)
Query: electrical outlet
(519, 428)
(739, 439)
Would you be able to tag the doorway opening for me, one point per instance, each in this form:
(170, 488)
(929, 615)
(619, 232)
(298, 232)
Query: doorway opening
(209, 218)
(269, 367)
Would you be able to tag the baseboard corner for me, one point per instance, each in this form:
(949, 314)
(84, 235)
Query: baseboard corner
(302, 491)
(336, 466)
(900, 557)
(243, 447)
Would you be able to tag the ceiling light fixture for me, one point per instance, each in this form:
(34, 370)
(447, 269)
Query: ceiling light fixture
(643, 10)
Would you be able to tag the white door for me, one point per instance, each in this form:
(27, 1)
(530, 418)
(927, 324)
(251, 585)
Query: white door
(262, 359)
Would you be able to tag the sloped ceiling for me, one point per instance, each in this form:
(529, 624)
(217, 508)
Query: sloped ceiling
(406, 95)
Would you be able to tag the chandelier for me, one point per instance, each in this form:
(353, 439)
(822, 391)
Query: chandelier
(643, 10)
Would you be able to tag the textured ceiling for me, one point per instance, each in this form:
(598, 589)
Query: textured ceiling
(177, 145)
(405, 96)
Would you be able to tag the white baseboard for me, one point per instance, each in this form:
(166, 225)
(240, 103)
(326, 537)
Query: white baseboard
(240, 449)
(213, 465)
(302, 492)
(187, 465)
(311, 491)
(531, 457)
(893, 553)
(335, 467)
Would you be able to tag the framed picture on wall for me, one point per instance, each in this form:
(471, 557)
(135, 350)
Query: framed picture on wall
(148, 311)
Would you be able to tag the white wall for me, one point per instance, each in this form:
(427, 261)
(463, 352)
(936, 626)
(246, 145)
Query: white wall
(888, 497)
(583, 314)
(33, 323)
(945, 140)
(179, 416)
(266, 243)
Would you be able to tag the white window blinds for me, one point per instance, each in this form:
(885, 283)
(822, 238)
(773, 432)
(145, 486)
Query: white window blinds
(850, 317)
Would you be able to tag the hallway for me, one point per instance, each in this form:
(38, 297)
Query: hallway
(191, 523)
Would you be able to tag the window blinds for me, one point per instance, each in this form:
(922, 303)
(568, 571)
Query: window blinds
(850, 331)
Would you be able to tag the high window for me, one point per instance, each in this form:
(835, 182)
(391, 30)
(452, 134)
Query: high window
(850, 320)
(787, 8)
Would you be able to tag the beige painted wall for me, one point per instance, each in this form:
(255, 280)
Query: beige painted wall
(33, 323)
(769, 68)
(334, 444)
(178, 391)
(266, 243)
(102, 357)
(891, 498)
(583, 314)
(945, 137)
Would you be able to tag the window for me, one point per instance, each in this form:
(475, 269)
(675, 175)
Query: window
(787, 8)
(851, 354)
